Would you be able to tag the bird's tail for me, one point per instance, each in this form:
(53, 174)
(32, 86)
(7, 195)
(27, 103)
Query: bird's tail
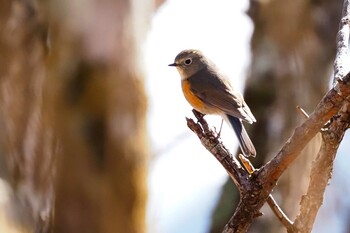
(245, 143)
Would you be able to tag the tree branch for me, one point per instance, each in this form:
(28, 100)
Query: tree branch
(321, 171)
(341, 67)
(328, 107)
(322, 167)
(255, 188)
(264, 180)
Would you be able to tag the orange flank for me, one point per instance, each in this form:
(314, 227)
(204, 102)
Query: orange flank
(195, 102)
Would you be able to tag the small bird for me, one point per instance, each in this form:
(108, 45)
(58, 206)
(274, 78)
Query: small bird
(210, 92)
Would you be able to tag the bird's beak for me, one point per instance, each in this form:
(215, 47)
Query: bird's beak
(173, 64)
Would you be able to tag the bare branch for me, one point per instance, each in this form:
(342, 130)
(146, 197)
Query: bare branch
(302, 111)
(256, 188)
(341, 67)
(266, 177)
(279, 213)
(328, 107)
(322, 167)
(321, 171)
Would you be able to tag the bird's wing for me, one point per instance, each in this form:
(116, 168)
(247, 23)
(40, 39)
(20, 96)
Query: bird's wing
(219, 93)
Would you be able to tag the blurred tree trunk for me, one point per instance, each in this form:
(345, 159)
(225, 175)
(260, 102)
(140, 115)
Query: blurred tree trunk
(73, 121)
(100, 118)
(293, 48)
(27, 143)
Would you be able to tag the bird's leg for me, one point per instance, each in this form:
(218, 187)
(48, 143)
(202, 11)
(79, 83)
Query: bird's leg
(219, 133)
(200, 119)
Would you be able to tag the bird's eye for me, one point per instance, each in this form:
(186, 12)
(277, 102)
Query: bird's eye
(188, 61)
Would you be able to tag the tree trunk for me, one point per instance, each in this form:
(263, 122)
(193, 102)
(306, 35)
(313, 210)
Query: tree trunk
(73, 111)
(100, 118)
(27, 142)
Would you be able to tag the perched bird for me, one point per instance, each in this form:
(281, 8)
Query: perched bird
(210, 92)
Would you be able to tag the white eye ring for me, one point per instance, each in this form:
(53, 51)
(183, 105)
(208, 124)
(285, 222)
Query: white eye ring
(188, 61)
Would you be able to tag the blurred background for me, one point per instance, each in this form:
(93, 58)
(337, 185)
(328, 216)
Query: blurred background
(92, 120)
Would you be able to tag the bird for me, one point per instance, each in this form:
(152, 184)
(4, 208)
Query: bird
(210, 92)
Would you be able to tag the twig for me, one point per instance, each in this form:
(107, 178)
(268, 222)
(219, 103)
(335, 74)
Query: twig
(246, 164)
(279, 213)
(302, 111)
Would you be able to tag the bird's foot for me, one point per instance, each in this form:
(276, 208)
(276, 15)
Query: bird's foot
(218, 134)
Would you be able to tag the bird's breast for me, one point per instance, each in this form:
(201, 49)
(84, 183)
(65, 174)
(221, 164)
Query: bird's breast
(195, 101)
